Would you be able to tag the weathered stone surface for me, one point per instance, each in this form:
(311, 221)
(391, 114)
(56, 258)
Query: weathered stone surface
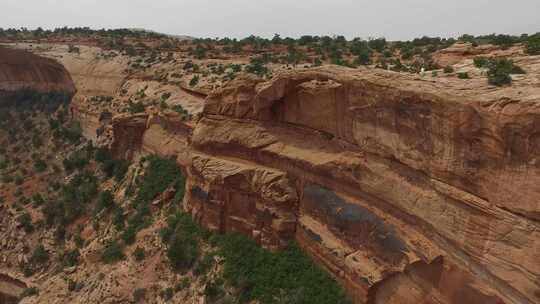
(10, 289)
(233, 195)
(128, 131)
(400, 182)
(23, 70)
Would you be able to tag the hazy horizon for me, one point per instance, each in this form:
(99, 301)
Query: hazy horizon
(241, 18)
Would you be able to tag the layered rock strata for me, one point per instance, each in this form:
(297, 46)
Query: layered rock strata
(407, 192)
(21, 70)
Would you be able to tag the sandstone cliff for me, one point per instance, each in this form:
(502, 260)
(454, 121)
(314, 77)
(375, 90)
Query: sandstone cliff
(407, 190)
(23, 70)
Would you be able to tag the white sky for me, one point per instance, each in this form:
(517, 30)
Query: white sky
(396, 19)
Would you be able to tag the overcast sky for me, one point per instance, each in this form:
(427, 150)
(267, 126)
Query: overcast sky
(396, 19)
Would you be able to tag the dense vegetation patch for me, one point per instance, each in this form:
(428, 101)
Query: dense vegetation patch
(112, 167)
(272, 277)
(257, 67)
(255, 273)
(532, 46)
(112, 253)
(160, 174)
(182, 239)
(499, 69)
(29, 99)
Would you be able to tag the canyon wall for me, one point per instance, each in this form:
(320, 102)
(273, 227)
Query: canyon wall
(406, 192)
(21, 70)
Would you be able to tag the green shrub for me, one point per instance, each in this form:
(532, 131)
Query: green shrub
(532, 46)
(181, 237)
(136, 107)
(111, 167)
(54, 124)
(159, 175)
(78, 240)
(363, 57)
(463, 75)
(26, 222)
(73, 49)
(182, 252)
(7, 178)
(38, 199)
(214, 290)
(504, 40)
(139, 254)
(183, 284)
(235, 68)
(71, 133)
(183, 112)
(194, 81)
(406, 54)
(499, 78)
(76, 195)
(40, 165)
(40, 256)
(115, 168)
(167, 294)
(139, 294)
(36, 140)
(165, 96)
(101, 155)
(19, 180)
(118, 217)
(500, 69)
(112, 253)
(200, 52)
(448, 69)
(480, 62)
(189, 65)
(105, 201)
(29, 292)
(70, 258)
(77, 160)
(204, 265)
(257, 67)
(19, 194)
(60, 232)
(377, 44)
(130, 234)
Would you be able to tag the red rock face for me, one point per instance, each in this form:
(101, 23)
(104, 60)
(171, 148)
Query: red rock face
(128, 131)
(22, 70)
(406, 192)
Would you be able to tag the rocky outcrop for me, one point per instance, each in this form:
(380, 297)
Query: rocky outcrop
(21, 70)
(461, 51)
(407, 190)
(10, 289)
